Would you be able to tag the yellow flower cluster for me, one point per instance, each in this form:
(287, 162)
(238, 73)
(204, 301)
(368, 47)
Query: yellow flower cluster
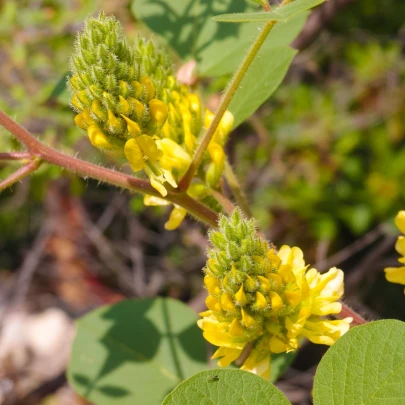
(129, 102)
(265, 300)
(397, 274)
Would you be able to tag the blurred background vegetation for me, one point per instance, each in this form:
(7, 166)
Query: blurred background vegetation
(322, 163)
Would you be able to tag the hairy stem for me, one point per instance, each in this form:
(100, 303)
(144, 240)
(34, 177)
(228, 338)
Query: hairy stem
(225, 101)
(19, 174)
(348, 312)
(237, 190)
(86, 169)
(15, 156)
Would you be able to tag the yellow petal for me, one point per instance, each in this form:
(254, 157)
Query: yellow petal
(213, 304)
(260, 302)
(98, 110)
(236, 329)
(176, 218)
(247, 319)
(158, 111)
(98, 138)
(227, 303)
(148, 88)
(277, 345)
(124, 105)
(241, 298)
(400, 221)
(258, 363)
(114, 123)
(149, 147)
(395, 274)
(212, 285)
(264, 283)
(293, 297)
(400, 245)
(133, 127)
(228, 355)
(152, 201)
(134, 154)
(276, 301)
(80, 122)
(217, 154)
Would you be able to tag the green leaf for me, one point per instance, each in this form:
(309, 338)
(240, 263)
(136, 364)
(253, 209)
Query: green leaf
(188, 28)
(261, 80)
(230, 58)
(279, 14)
(365, 366)
(135, 352)
(220, 387)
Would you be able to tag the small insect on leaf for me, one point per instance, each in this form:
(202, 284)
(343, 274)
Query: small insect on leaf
(213, 378)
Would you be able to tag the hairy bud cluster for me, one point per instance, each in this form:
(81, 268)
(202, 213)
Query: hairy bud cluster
(129, 102)
(265, 298)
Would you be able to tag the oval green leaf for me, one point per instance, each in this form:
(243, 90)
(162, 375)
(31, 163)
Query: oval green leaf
(263, 77)
(220, 387)
(364, 367)
(135, 352)
(283, 13)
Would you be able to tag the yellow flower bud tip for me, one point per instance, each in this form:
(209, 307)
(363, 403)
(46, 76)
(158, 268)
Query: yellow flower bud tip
(133, 127)
(75, 82)
(276, 301)
(275, 281)
(217, 154)
(247, 319)
(124, 106)
(264, 283)
(208, 117)
(84, 97)
(115, 124)
(227, 121)
(148, 88)
(234, 271)
(76, 103)
(134, 154)
(137, 108)
(227, 303)
(98, 110)
(124, 88)
(241, 298)
(138, 89)
(212, 285)
(236, 329)
(195, 103)
(260, 302)
(87, 117)
(249, 283)
(158, 111)
(80, 122)
(98, 138)
(213, 304)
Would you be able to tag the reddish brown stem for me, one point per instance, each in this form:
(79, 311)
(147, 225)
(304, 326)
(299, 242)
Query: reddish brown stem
(19, 174)
(15, 156)
(86, 169)
(348, 312)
